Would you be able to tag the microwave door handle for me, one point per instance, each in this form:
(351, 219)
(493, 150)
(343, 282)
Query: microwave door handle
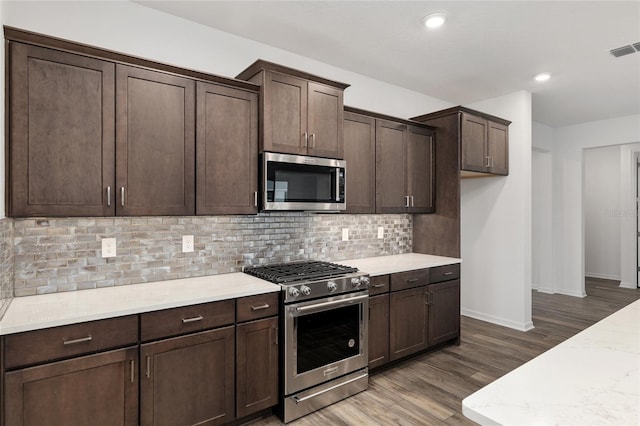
(338, 184)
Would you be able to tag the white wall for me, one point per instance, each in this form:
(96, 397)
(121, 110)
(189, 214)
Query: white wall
(568, 220)
(496, 227)
(602, 170)
(541, 205)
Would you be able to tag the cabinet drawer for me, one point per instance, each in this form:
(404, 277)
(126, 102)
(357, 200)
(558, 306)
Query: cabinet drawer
(379, 284)
(444, 273)
(186, 319)
(258, 306)
(39, 346)
(410, 279)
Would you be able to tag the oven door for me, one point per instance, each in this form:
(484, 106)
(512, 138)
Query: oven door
(325, 339)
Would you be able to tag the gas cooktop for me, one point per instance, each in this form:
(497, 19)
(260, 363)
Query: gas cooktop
(285, 273)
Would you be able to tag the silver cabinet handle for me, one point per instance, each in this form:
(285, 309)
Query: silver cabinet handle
(412, 201)
(108, 196)
(486, 161)
(377, 285)
(255, 199)
(194, 319)
(448, 273)
(133, 370)
(74, 341)
(406, 201)
(428, 295)
(148, 370)
(122, 196)
(257, 308)
(313, 140)
(306, 139)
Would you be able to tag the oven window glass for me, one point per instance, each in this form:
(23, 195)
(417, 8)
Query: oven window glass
(327, 337)
(287, 182)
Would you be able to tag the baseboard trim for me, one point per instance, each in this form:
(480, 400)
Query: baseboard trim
(602, 276)
(628, 285)
(520, 326)
(547, 290)
(572, 293)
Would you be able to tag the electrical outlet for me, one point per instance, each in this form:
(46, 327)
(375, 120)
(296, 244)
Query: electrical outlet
(345, 234)
(380, 232)
(187, 243)
(108, 247)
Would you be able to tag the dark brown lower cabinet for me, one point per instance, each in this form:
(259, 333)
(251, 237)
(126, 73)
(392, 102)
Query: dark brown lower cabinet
(408, 318)
(188, 380)
(256, 366)
(378, 330)
(444, 311)
(97, 390)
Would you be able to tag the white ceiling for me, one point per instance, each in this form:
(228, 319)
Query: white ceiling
(487, 49)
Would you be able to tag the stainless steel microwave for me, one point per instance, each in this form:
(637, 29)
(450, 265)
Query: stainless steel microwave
(298, 182)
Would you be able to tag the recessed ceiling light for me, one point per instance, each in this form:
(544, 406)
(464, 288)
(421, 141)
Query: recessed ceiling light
(434, 20)
(543, 76)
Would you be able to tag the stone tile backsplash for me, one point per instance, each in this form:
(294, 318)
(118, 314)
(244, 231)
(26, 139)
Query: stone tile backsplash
(64, 254)
(6, 264)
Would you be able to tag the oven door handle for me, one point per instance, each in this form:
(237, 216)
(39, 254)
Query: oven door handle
(333, 303)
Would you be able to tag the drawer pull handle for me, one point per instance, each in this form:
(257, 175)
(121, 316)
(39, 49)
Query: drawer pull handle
(74, 341)
(377, 285)
(194, 319)
(257, 308)
(412, 280)
(448, 273)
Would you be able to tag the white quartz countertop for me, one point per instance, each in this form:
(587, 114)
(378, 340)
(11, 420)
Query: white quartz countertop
(590, 379)
(383, 265)
(50, 310)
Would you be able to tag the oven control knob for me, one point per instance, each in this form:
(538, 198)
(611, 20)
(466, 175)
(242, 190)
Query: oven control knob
(294, 292)
(355, 282)
(365, 281)
(332, 286)
(305, 290)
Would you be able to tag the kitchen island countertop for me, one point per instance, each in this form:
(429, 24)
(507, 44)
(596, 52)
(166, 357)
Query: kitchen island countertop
(590, 379)
(382, 265)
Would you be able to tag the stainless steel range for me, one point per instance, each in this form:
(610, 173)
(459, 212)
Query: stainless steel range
(324, 326)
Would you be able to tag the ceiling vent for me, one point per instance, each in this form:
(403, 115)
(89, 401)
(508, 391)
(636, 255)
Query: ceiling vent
(625, 50)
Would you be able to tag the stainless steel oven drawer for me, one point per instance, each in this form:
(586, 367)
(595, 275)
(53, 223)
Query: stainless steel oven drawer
(307, 401)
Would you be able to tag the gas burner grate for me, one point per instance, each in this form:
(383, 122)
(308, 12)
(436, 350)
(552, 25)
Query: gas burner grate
(284, 273)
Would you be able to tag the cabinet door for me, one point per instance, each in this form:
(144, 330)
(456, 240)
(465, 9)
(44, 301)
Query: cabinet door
(498, 148)
(325, 121)
(391, 195)
(408, 322)
(378, 330)
(256, 366)
(95, 390)
(285, 114)
(188, 380)
(444, 311)
(155, 141)
(420, 170)
(61, 133)
(227, 150)
(360, 154)
(473, 141)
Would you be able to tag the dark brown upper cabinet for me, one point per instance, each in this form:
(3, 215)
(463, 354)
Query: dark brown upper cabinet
(360, 154)
(483, 138)
(61, 133)
(404, 168)
(226, 150)
(301, 113)
(155, 143)
(99, 133)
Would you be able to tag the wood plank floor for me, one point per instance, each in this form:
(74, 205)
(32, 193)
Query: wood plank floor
(429, 390)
